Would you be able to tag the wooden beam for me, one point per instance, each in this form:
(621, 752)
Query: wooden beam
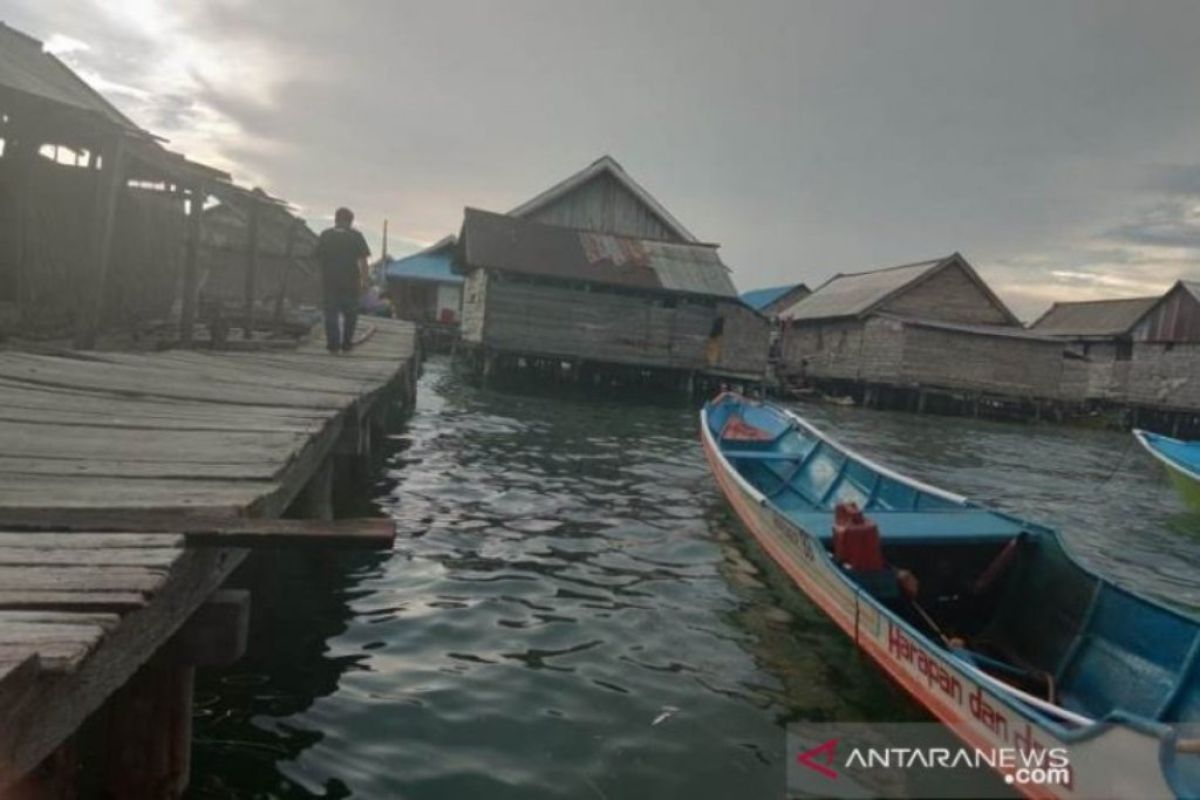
(200, 530)
(187, 313)
(251, 266)
(108, 196)
(215, 635)
(288, 259)
(53, 709)
(21, 146)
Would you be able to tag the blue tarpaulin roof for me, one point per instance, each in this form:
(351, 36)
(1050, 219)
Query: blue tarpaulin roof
(761, 298)
(427, 265)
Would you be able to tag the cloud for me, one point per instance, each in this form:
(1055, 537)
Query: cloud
(1053, 144)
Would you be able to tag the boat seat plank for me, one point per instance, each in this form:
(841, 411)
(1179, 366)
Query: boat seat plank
(920, 527)
(763, 456)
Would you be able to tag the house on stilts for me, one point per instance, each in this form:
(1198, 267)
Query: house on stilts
(595, 279)
(425, 289)
(923, 335)
(1100, 332)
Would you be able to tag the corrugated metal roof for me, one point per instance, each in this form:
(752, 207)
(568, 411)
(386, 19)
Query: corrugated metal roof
(27, 68)
(855, 293)
(759, 299)
(434, 264)
(500, 242)
(1093, 317)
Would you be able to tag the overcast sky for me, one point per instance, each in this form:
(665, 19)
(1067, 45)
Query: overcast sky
(1055, 144)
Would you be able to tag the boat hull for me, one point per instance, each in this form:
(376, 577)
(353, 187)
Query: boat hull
(1185, 481)
(1108, 761)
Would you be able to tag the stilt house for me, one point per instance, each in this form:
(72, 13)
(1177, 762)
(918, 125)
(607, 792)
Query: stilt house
(1100, 332)
(1164, 365)
(596, 271)
(933, 326)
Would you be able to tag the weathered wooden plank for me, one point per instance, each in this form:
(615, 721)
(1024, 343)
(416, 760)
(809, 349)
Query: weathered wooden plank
(220, 498)
(89, 443)
(82, 579)
(88, 541)
(52, 656)
(85, 556)
(88, 467)
(51, 599)
(147, 380)
(243, 531)
(52, 710)
(8, 618)
(297, 375)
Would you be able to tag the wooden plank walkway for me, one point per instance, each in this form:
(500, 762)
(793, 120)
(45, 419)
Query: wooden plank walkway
(148, 436)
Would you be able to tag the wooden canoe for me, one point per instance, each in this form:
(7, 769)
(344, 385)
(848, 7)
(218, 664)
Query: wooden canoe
(984, 618)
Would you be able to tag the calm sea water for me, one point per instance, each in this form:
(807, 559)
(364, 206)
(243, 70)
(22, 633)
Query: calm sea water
(568, 611)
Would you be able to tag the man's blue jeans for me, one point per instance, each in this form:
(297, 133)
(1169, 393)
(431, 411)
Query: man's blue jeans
(341, 314)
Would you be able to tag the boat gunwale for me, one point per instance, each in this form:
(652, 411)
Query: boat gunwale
(1142, 437)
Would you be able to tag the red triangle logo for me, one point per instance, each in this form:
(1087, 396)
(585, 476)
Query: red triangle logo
(821, 753)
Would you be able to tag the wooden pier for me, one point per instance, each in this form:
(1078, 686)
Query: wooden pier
(129, 485)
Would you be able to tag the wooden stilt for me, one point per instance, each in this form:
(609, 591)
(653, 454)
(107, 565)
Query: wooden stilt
(187, 308)
(108, 196)
(148, 733)
(251, 268)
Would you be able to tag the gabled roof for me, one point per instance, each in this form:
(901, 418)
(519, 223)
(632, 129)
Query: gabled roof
(433, 264)
(510, 244)
(27, 68)
(1093, 318)
(604, 164)
(860, 293)
(28, 71)
(759, 299)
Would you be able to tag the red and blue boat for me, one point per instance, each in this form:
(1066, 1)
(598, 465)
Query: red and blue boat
(986, 619)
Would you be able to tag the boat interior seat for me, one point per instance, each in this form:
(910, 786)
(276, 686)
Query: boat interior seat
(963, 526)
(1124, 659)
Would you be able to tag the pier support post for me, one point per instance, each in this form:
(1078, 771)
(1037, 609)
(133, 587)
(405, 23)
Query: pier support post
(148, 734)
(922, 397)
(187, 305)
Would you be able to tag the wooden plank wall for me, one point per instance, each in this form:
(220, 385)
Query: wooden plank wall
(604, 205)
(474, 306)
(948, 296)
(998, 364)
(1164, 375)
(146, 257)
(824, 350)
(890, 351)
(617, 327)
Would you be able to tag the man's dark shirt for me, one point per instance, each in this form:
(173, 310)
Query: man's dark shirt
(338, 251)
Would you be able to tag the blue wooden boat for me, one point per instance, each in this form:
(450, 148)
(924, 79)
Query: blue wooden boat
(983, 617)
(1182, 460)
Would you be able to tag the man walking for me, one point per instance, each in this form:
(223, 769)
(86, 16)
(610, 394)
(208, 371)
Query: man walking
(342, 253)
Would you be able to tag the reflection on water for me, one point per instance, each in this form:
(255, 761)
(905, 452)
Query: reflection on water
(569, 612)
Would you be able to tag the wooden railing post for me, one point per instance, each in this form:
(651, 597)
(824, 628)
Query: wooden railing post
(187, 311)
(108, 195)
(289, 249)
(251, 266)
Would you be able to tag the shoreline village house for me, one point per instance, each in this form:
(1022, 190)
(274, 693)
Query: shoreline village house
(932, 329)
(1101, 333)
(1164, 370)
(770, 302)
(594, 272)
(425, 289)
